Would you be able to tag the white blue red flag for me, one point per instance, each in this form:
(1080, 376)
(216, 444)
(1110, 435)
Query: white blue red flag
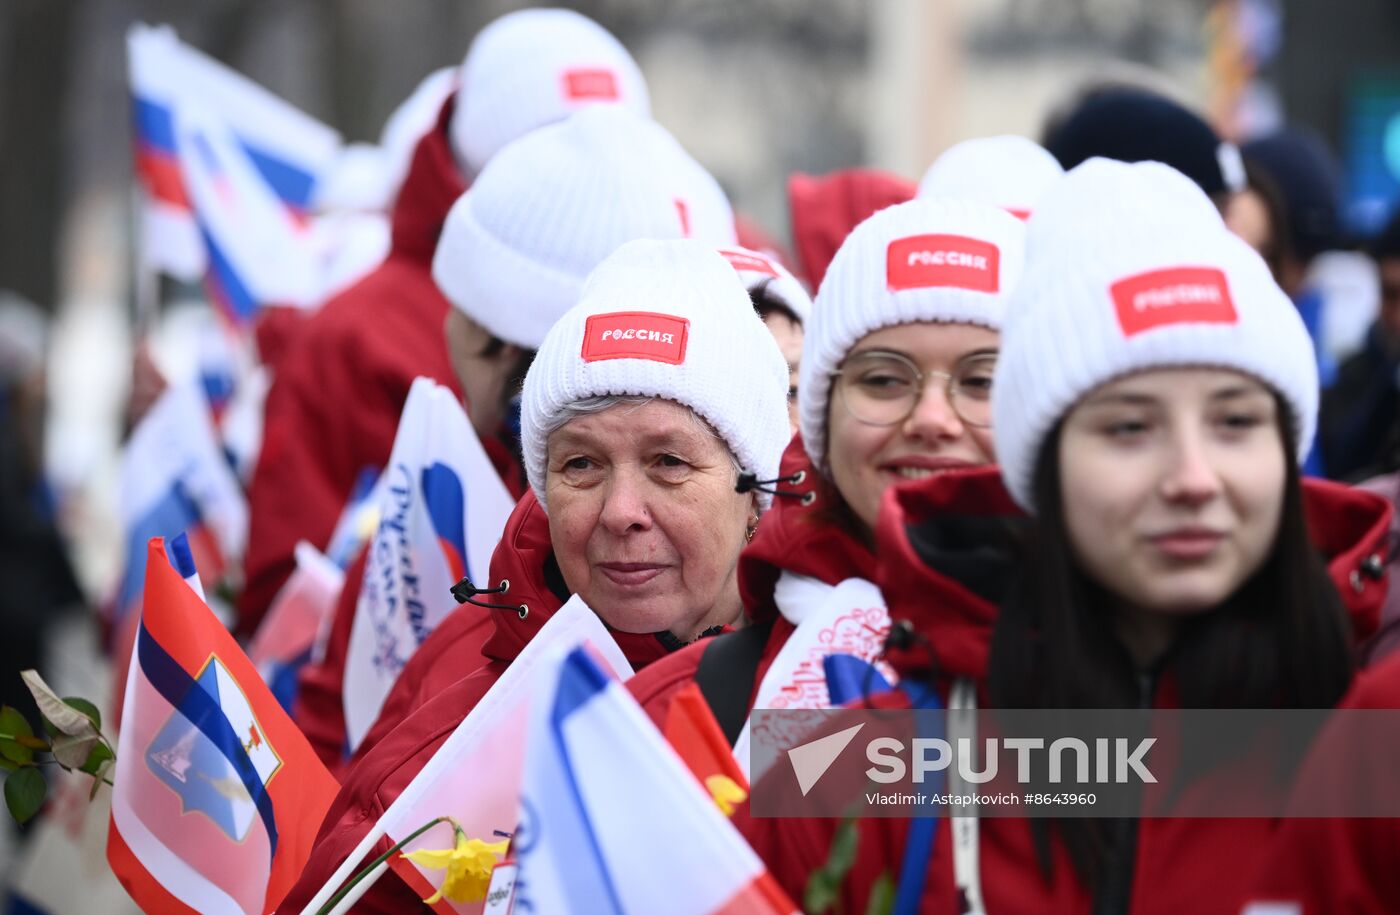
(585, 842)
(289, 149)
(475, 776)
(256, 252)
(441, 512)
(217, 795)
(286, 638)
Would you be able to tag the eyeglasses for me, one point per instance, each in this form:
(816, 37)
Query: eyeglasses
(882, 389)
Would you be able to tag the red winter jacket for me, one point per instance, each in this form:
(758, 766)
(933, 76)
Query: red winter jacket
(342, 381)
(825, 209)
(1323, 866)
(792, 537)
(525, 558)
(1180, 865)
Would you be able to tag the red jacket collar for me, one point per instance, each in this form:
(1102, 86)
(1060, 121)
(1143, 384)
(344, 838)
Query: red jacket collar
(800, 538)
(433, 184)
(1349, 526)
(521, 558)
(955, 620)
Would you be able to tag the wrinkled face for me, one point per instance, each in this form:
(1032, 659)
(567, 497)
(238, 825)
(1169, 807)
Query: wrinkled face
(1173, 486)
(867, 459)
(788, 334)
(644, 518)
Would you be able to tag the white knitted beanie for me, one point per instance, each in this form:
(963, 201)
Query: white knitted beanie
(1130, 267)
(533, 67)
(517, 246)
(760, 271)
(1008, 171)
(666, 319)
(935, 259)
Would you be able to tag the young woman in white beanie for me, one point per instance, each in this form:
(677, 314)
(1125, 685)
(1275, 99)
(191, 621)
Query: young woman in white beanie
(1154, 393)
(895, 387)
(645, 405)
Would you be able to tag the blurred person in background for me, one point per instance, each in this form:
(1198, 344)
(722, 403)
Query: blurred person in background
(38, 579)
(1360, 423)
(1303, 170)
(334, 406)
(782, 302)
(1257, 215)
(1134, 125)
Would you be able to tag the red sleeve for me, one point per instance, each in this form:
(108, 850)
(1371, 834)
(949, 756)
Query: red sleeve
(656, 685)
(1340, 865)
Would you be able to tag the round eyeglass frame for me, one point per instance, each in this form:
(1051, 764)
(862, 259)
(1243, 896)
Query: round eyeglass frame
(921, 379)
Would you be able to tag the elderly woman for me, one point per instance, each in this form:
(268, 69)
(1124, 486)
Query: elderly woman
(642, 408)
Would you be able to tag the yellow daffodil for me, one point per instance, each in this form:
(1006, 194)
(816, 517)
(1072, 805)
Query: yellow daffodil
(726, 793)
(468, 863)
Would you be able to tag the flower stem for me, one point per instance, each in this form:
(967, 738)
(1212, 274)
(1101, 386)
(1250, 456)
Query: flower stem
(369, 868)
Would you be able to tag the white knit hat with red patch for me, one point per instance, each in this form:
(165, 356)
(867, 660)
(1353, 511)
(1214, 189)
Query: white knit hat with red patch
(534, 67)
(517, 246)
(1130, 268)
(936, 259)
(1008, 171)
(759, 271)
(665, 319)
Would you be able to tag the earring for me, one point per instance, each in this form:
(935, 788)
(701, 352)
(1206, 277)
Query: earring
(751, 530)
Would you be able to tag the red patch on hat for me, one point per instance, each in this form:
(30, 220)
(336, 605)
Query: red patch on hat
(683, 212)
(1177, 295)
(1019, 213)
(923, 261)
(748, 262)
(635, 335)
(590, 84)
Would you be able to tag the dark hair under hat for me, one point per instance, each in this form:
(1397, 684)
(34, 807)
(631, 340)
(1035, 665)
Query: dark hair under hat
(1131, 125)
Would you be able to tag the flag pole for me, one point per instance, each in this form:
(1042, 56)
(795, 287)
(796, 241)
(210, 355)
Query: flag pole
(347, 869)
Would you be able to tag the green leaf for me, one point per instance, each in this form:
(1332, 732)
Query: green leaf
(100, 754)
(87, 708)
(7, 765)
(72, 752)
(24, 793)
(820, 893)
(66, 718)
(13, 724)
(881, 899)
(843, 848)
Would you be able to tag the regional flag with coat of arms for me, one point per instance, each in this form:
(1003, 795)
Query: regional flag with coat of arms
(217, 795)
(442, 509)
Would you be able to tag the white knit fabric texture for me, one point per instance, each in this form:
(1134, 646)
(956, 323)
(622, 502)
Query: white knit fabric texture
(857, 296)
(1007, 171)
(731, 374)
(758, 270)
(533, 67)
(1066, 332)
(517, 246)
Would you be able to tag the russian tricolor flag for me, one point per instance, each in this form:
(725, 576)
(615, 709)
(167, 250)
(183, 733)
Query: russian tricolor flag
(585, 840)
(287, 149)
(218, 796)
